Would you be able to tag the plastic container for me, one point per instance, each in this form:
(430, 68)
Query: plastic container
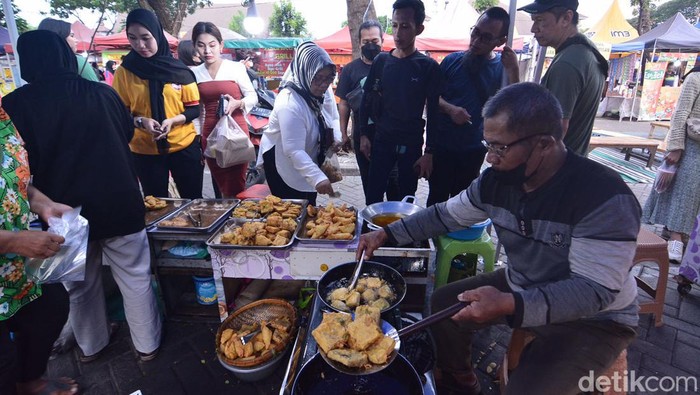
(471, 233)
(205, 290)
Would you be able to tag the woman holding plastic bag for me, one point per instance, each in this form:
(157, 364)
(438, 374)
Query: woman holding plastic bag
(77, 135)
(34, 313)
(216, 77)
(677, 207)
(304, 126)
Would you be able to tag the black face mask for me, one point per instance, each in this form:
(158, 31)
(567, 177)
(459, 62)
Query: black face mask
(513, 177)
(371, 50)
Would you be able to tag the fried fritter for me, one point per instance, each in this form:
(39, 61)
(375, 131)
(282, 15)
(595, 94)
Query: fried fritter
(380, 351)
(348, 357)
(363, 332)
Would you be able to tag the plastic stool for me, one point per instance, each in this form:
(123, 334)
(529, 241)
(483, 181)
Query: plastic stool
(448, 248)
(257, 191)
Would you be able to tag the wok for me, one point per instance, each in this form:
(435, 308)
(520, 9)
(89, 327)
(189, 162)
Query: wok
(340, 276)
(318, 378)
(403, 208)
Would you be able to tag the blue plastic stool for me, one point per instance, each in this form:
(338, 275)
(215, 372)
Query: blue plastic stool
(448, 248)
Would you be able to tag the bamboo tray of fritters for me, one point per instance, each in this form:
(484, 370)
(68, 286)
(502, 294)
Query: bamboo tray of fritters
(199, 215)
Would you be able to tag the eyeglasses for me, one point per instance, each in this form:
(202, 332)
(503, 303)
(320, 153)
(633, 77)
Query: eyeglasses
(501, 151)
(478, 34)
(319, 79)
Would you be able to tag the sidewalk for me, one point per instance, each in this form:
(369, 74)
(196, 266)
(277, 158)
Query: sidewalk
(187, 363)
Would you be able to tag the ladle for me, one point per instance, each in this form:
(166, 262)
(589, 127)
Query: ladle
(390, 331)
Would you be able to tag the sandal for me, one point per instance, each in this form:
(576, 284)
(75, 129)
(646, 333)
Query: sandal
(55, 386)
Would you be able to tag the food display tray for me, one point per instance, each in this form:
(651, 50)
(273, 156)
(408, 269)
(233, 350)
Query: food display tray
(153, 216)
(301, 231)
(231, 224)
(211, 211)
(302, 202)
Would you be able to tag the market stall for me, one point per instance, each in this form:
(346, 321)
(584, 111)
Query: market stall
(270, 56)
(665, 53)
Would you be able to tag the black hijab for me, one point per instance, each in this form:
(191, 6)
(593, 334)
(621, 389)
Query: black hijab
(44, 56)
(159, 69)
(110, 66)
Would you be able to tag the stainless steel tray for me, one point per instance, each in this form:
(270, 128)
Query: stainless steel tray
(215, 240)
(301, 231)
(302, 202)
(211, 211)
(153, 216)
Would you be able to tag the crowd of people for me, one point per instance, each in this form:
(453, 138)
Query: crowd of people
(103, 146)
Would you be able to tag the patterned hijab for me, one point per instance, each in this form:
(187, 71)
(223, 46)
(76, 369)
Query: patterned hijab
(308, 60)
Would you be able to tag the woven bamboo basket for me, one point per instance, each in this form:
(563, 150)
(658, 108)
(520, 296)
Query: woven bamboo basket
(267, 310)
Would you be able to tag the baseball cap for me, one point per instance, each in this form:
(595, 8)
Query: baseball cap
(544, 5)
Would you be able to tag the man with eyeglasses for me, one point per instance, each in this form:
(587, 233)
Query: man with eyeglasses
(578, 71)
(569, 226)
(471, 78)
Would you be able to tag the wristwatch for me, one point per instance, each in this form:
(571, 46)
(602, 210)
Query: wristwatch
(139, 122)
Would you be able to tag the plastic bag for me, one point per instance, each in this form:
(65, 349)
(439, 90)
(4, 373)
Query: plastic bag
(229, 144)
(69, 263)
(331, 167)
(664, 177)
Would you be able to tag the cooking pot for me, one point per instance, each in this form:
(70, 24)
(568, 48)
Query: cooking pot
(318, 378)
(340, 275)
(402, 208)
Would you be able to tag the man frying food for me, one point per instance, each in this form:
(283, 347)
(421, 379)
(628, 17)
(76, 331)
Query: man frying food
(569, 227)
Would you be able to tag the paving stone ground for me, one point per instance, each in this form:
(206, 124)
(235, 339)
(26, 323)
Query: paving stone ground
(187, 363)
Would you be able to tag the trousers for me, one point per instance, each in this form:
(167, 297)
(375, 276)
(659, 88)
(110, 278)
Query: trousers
(453, 172)
(385, 156)
(35, 327)
(553, 363)
(186, 167)
(130, 261)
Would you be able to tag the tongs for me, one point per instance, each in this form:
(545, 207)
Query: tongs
(245, 339)
(196, 222)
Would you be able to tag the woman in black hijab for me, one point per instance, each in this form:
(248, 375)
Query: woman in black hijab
(76, 133)
(161, 94)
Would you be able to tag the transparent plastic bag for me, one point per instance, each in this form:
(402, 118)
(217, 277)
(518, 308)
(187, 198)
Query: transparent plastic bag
(664, 177)
(69, 263)
(331, 167)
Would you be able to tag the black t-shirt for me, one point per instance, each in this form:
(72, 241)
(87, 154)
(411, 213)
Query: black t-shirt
(408, 84)
(350, 78)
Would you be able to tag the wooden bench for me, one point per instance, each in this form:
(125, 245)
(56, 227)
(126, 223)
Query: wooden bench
(627, 142)
(654, 125)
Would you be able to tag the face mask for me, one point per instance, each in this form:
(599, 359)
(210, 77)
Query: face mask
(371, 50)
(513, 177)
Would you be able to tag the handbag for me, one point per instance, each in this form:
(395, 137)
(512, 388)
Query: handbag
(693, 128)
(228, 144)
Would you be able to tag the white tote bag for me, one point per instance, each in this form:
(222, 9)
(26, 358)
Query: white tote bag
(228, 144)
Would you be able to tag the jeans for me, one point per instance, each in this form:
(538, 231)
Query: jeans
(453, 172)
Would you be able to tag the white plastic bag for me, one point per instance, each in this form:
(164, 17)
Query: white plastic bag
(664, 177)
(69, 263)
(229, 144)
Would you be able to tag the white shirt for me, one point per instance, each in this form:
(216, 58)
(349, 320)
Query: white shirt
(230, 71)
(294, 132)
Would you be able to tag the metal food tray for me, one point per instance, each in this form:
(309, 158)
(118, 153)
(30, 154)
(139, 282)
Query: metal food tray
(153, 216)
(302, 202)
(215, 240)
(212, 211)
(299, 235)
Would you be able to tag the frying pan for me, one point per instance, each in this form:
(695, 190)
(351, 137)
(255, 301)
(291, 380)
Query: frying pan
(390, 331)
(317, 378)
(340, 276)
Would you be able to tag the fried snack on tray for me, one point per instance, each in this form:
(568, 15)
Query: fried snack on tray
(355, 344)
(331, 222)
(252, 209)
(273, 231)
(272, 334)
(153, 203)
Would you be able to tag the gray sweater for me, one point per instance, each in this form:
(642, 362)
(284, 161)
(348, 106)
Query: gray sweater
(570, 243)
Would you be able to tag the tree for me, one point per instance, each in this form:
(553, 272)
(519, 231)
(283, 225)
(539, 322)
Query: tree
(22, 25)
(689, 8)
(286, 21)
(358, 11)
(385, 21)
(236, 24)
(644, 15)
(483, 5)
(169, 12)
